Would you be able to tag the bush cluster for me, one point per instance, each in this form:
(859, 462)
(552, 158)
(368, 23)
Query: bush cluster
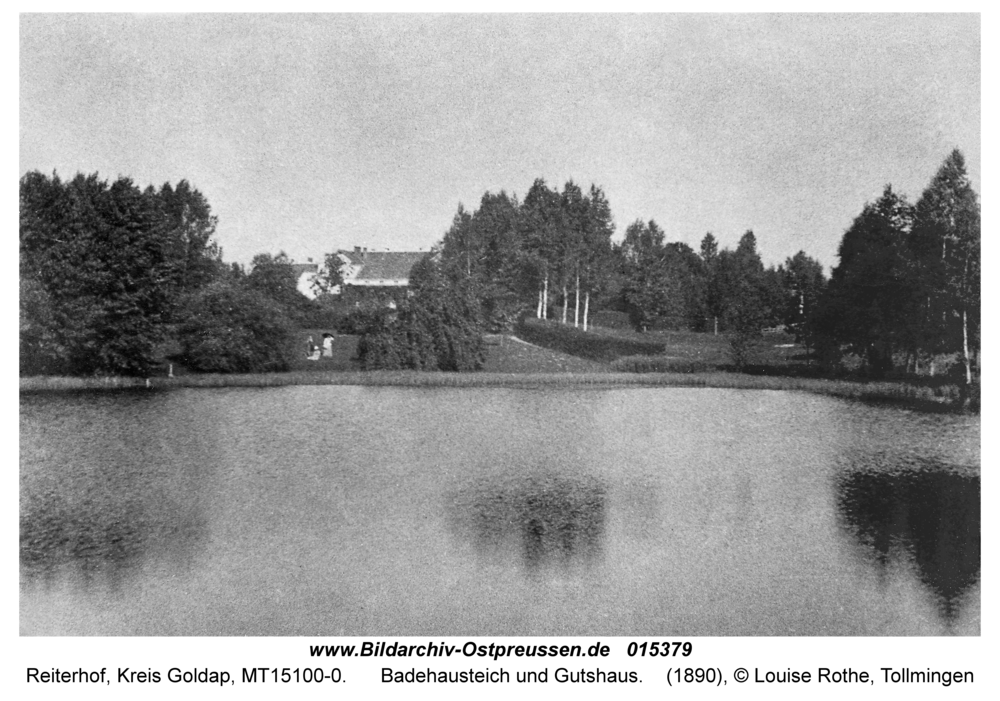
(610, 319)
(439, 328)
(415, 338)
(228, 327)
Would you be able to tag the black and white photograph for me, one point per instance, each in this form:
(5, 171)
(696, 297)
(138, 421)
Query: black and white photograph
(617, 326)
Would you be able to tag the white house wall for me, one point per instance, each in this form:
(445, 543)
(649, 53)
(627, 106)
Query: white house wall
(304, 285)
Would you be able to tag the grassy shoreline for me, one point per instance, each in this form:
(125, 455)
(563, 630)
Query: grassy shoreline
(896, 392)
(685, 360)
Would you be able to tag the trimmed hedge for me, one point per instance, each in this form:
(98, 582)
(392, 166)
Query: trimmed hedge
(612, 320)
(645, 363)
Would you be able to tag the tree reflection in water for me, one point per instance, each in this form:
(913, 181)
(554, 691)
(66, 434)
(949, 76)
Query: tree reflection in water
(919, 511)
(553, 520)
(102, 540)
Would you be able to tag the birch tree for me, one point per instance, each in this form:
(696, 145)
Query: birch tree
(571, 244)
(596, 259)
(946, 243)
(540, 223)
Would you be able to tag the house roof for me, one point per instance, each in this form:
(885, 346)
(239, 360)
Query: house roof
(383, 265)
(301, 268)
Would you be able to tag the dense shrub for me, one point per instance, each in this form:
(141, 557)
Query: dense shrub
(745, 318)
(364, 316)
(438, 328)
(974, 394)
(328, 312)
(743, 345)
(107, 265)
(40, 351)
(229, 328)
(612, 320)
(274, 277)
(381, 343)
(419, 337)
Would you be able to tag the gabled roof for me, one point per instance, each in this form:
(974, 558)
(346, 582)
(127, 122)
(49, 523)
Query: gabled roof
(301, 268)
(383, 265)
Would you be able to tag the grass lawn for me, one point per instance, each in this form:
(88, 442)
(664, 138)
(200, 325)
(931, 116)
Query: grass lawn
(775, 353)
(503, 354)
(661, 351)
(345, 348)
(507, 354)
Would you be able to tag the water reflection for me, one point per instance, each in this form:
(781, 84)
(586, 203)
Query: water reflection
(919, 513)
(280, 511)
(102, 494)
(552, 520)
(101, 540)
(97, 541)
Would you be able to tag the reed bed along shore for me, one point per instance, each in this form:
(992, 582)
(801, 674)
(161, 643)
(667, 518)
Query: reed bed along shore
(848, 389)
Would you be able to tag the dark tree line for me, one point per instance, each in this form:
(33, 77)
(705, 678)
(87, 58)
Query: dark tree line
(504, 259)
(907, 285)
(111, 274)
(518, 256)
(552, 256)
(906, 288)
(103, 270)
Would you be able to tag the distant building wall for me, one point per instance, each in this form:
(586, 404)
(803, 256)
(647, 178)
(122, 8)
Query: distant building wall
(305, 272)
(388, 271)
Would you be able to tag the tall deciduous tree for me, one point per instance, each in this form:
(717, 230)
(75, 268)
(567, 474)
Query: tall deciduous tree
(571, 244)
(227, 326)
(499, 277)
(946, 243)
(714, 305)
(108, 269)
(744, 295)
(330, 275)
(188, 228)
(709, 250)
(484, 249)
(647, 286)
(40, 350)
(541, 222)
(438, 328)
(459, 247)
(274, 277)
(804, 282)
(596, 261)
(871, 303)
(687, 307)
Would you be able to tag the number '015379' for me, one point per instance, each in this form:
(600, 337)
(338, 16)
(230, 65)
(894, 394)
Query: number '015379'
(660, 649)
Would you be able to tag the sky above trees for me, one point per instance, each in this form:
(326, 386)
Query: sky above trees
(311, 133)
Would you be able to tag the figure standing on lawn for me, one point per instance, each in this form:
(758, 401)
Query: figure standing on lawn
(312, 350)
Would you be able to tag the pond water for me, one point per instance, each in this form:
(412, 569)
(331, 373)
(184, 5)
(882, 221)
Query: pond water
(420, 511)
